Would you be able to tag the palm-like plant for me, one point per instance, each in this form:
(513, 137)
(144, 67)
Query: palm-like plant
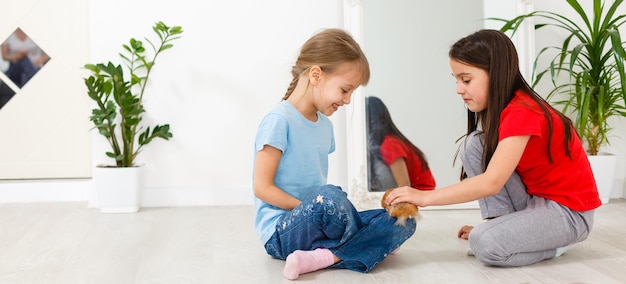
(592, 57)
(119, 100)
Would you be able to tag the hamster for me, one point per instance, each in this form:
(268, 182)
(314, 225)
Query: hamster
(402, 211)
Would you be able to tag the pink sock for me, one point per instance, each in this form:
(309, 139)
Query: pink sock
(300, 262)
(395, 250)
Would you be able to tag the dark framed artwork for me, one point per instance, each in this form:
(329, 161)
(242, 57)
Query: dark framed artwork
(6, 93)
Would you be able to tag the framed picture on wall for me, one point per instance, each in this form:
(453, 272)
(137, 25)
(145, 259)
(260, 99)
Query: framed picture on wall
(24, 57)
(6, 93)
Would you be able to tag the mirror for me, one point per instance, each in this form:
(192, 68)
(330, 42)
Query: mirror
(406, 43)
(407, 46)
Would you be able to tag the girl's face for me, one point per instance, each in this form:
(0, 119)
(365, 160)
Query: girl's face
(472, 84)
(335, 90)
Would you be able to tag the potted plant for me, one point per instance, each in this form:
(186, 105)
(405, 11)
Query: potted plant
(118, 94)
(587, 74)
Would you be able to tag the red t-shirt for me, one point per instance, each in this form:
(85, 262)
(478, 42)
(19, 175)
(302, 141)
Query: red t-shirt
(569, 182)
(393, 148)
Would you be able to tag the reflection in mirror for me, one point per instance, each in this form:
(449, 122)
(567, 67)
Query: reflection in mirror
(24, 56)
(393, 160)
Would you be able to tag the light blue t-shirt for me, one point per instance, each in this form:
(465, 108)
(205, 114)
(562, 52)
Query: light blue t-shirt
(303, 166)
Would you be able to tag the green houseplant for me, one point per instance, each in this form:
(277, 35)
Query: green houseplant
(119, 96)
(587, 70)
(587, 75)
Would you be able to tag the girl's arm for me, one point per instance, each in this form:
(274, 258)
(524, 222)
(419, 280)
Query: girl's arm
(265, 167)
(503, 163)
(400, 172)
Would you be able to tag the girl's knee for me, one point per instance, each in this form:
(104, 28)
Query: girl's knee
(408, 229)
(400, 230)
(487, 248)
(331, 200)
(333, 192)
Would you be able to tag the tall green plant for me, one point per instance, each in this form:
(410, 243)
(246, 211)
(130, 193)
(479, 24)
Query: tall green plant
(119, 98)
(592, 56)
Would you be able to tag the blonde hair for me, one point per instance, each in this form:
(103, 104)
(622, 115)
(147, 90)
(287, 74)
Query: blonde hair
(328, 49)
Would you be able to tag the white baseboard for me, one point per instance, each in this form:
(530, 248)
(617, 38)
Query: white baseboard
(35, 191)
(83, 190)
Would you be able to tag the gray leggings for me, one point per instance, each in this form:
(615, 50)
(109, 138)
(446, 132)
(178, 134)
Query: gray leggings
(528, 229)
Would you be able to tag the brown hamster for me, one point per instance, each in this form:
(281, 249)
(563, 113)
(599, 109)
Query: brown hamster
(402, 211)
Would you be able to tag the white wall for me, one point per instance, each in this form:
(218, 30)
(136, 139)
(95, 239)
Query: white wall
(229, 68)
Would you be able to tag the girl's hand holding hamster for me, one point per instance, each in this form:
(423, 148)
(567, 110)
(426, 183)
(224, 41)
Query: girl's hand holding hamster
(406, 194)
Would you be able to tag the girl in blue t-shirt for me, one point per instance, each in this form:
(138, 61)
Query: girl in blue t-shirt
(300, 218)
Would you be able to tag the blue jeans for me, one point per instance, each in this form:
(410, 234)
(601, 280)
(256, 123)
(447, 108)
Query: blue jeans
(327, 219)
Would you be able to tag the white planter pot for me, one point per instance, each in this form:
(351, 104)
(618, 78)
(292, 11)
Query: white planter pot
(603, 167)
(119, 189)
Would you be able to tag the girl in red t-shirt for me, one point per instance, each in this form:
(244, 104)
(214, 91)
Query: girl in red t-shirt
(522, 160)
(394, 159)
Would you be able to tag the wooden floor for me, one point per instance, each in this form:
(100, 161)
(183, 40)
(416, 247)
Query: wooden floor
(69, 243)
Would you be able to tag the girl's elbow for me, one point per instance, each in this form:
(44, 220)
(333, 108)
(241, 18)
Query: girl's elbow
(493, 189)
(258, 191)
(490, 184)
(261, 190)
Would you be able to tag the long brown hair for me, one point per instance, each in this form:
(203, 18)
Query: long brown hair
(379, 124)
(328, 49)
(493, 51)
